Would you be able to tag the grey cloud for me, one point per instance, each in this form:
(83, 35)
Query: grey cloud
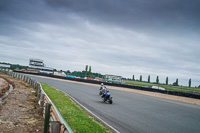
(138, 37)
(137, 13)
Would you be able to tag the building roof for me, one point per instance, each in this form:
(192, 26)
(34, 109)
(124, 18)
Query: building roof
(36, 60)
(113, 75)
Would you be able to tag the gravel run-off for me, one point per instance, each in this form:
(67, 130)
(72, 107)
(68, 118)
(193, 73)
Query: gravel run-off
(19, 109)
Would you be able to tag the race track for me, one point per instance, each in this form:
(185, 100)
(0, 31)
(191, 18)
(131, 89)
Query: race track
(131, 112)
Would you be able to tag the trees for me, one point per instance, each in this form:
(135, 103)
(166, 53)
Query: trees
(177, 81)
(90, 69)
(67, 72)
(149, 79)
(140, 78)
(89, 73)
(133, 78)
(189, 82)
(85, 73)
(17, 67)
(86, 68)
(166, 80)
(157, 80)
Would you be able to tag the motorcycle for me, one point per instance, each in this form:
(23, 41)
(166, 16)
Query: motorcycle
(107, 98)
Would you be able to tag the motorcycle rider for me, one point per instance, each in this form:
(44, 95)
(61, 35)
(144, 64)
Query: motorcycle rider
(102, 85)
(103, 89)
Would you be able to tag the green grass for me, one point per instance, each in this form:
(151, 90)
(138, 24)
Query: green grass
(77, 118)
(167, 87)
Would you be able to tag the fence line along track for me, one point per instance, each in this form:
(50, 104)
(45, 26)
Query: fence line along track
(54, 122)
(169, 92)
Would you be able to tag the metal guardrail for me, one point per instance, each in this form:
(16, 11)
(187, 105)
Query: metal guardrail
(48, 110)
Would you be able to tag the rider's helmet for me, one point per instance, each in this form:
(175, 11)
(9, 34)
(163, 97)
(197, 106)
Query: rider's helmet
(101, 84)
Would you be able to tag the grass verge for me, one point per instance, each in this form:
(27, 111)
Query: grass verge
(77, 118)
(167, 87)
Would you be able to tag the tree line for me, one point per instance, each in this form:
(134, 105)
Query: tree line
(85, 73)
(88, 73)
(157, 81)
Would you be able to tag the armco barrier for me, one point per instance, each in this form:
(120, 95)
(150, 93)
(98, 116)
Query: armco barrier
(54, 122)
(176, 93)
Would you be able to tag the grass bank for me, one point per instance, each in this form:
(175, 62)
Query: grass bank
(77, 118)
(167, 87)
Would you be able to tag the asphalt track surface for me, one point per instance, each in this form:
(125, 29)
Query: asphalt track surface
(131, 112)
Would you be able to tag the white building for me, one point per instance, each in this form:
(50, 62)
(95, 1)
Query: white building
(112, 78)
(38, 64)
(4, 66)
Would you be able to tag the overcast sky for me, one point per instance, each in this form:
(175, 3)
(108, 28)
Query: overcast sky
(123, 37)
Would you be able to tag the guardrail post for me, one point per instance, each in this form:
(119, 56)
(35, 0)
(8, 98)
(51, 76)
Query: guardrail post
(26, 79)
(47, 116)
(41, 104)
(38, 92)
(34, 85)
(55, 127)
(23, 77)
(29, 80)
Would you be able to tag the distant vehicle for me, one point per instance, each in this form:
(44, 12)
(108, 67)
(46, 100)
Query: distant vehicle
(89, 78)
(96, 79)
(154, 87)
(59, 73)
(45, 70)
(157, 87)
(70, 76)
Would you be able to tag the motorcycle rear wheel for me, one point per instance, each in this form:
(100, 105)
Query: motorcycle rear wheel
(110, 101)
